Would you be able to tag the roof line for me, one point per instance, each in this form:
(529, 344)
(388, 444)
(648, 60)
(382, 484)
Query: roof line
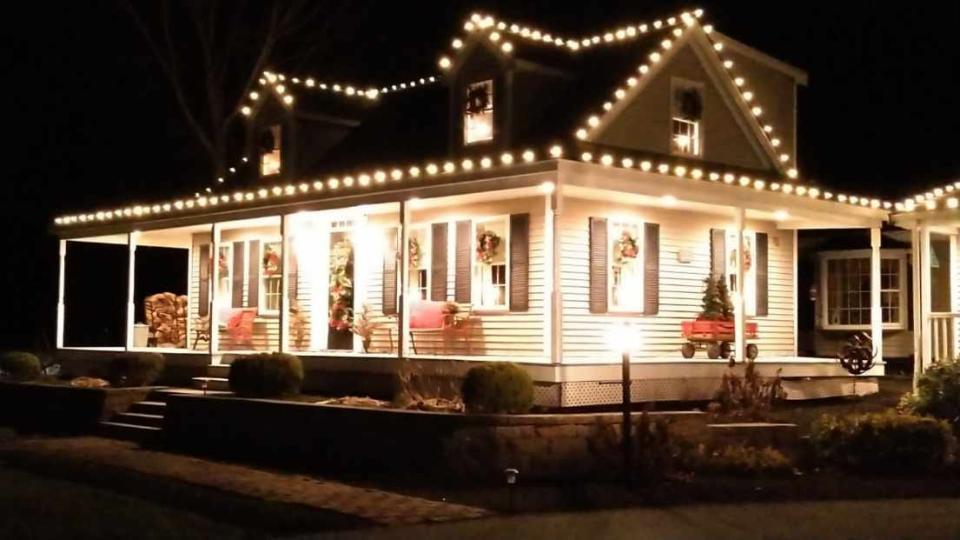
(800, 76)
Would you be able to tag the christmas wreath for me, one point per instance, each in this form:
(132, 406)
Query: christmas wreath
(271, 262)
(223, 268)
(487, 244)
(414, 253)
(625, 249)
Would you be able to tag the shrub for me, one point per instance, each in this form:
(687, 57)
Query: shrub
(135, 369)
(938, 394)
(750, 397)
(883, 442)
(498, 388)
(20, 366)
(739, 460)
(266, 375)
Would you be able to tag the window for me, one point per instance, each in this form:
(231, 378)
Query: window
(687, 111)
(270, 143)
(225, 275)
(491, 257)
(271, 290)
(749, 286)
(626, 266)
(686, 137)
(478, 113)
(419, 260)
(846, 282)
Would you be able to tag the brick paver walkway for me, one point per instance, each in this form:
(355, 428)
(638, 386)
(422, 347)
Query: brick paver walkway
(378, 507)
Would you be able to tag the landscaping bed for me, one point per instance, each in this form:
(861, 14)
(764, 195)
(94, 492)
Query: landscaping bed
(37, 407)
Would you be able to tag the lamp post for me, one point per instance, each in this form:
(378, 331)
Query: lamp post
(622, 339)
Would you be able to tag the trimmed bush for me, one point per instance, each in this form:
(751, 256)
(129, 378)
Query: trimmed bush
(745, 460)
(938, 394)
(884, 442)
(20, 366)
(266, 375)
(135, 369)
(498, 388)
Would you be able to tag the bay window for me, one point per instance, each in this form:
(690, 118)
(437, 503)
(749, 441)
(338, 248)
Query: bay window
(845, 279)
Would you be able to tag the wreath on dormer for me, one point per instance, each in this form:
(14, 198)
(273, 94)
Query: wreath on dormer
(487, 245)
(689, 103)
(478, 98)
(625, 249)
(267, 141)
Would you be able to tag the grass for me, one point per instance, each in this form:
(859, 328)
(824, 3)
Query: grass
(33, 506)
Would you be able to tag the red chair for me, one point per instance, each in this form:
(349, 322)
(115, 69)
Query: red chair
(240, 326)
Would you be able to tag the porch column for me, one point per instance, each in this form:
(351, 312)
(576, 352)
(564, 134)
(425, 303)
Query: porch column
(876, 313)
(926, 333)
(284, 258)
(917, 318)
(551, 325)
(739, 306)
(403, 311)
(212, 315)
(131, 265)
(60, 292)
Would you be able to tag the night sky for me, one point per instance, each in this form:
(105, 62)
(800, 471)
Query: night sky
(91, 122)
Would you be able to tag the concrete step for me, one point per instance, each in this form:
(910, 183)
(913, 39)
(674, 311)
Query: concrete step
(129, 432)
(139, 419)
(211, 383)
(149, 407)
(222, 371)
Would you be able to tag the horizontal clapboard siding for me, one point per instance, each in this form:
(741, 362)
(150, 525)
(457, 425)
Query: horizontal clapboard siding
(585, 334)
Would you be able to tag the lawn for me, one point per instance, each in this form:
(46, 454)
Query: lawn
(33, 506)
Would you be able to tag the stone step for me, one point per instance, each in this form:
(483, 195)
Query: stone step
(211, 383)
(129, 432)
(139, 419)
(149, 407)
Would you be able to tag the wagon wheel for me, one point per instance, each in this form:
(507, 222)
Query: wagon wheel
(752, 351)
(725, 349)
(713, 351)
(688, 350)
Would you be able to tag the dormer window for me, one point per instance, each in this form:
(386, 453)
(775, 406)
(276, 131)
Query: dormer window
(478, 113)
(270, 151)
(687, 107)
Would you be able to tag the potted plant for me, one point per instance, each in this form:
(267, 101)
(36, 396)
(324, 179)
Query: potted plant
(364, 326)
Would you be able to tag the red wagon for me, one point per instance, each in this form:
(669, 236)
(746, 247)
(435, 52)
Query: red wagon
(717, 337)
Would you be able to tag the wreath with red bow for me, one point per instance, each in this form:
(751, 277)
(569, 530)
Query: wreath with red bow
(487, 245)
(625, 249)
(271, 262)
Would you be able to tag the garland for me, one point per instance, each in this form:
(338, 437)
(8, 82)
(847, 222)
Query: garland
(341, 286)
(487, 244)
(625, 249)
(414, 253)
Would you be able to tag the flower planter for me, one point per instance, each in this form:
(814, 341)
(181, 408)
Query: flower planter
(716, 337)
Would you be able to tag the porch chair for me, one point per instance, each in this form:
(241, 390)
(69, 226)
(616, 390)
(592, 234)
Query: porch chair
(446, 320)
(240, 326)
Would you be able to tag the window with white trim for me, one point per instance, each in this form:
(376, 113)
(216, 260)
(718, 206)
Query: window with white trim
(270, 281)
(491, 259)
(419, 261)
(625, 279)
(686, 108)
(845, 282)
(749, 286)
(225, 275)
(686, 137)
(478, 112)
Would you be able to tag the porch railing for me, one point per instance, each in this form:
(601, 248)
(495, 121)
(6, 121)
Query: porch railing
(943, 328)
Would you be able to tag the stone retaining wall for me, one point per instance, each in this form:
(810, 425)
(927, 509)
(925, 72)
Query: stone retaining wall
(47, 408)
(468, 446)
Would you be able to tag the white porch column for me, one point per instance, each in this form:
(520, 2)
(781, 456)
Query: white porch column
(60, 292)
(284, 264)
(876, 314)
(403, 311)
(917, 318)
(212, 315)
(550, 262)
(131, 266)
(926, 337)
(739, 306)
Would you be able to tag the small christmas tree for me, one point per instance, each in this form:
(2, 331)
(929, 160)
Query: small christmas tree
(712, 303)
(724, 297)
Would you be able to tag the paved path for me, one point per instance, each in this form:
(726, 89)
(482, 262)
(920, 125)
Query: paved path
(375, 506)
(914, 519)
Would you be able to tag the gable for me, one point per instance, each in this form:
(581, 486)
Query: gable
(644, 124)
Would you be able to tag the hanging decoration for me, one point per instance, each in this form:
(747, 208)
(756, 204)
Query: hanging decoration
(488, 242)
(625, 249)
(341, 286)
(689, 104)
(271, 261)
(478, 98)
(414, 254)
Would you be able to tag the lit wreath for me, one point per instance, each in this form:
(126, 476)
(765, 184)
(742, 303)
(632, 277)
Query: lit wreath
(625, 249)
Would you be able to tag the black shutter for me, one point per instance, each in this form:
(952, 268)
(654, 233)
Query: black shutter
(438, 262)
(598, 265)
(519, 262)
(237, 277)
(763, 287)
(464, 258)
(253, 275)
(389, 285)
(204, 273)
(718, 252)
(651, 269)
